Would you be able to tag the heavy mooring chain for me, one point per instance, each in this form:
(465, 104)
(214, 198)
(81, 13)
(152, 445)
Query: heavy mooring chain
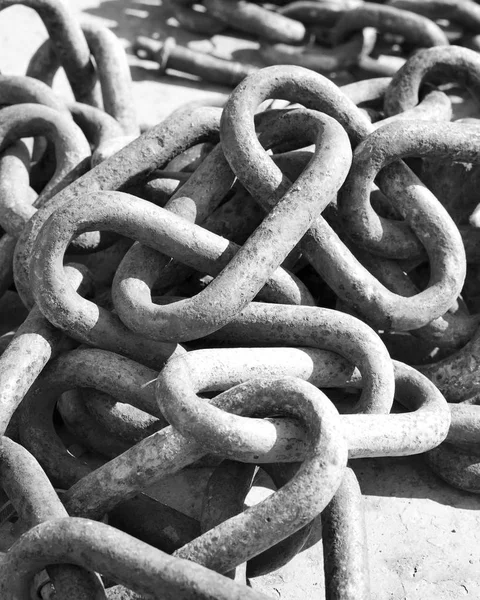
(231, 294)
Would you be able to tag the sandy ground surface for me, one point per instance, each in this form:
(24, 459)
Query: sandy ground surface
(423, 536)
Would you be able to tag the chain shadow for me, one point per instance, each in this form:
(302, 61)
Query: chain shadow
(409, 477)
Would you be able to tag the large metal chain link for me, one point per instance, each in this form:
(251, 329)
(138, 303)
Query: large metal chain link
(231, 291)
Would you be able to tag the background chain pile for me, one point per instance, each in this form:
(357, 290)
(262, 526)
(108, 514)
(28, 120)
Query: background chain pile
(263, 290)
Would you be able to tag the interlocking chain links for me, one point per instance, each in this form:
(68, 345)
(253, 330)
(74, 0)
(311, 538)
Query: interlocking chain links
(280, 554)
(151, 459)
(126, 168)
(202, 426)
(414, 432)
(114, 76)
(261, 254)
(463, 432)
(383, 66)
(103, 132)
(109, 494)
(166, 452)
(340, 57)
(116, 555)
(154, 523)
(69, 42)
(254, 19)
(82, 425)
(343, 334)
(124, 421)
(452, 330)
(465, 13)
(7, 251)
(416, 29)
(203, 548)
(72, 156)
(225, 494)
(35, 342)
(451, 64)
(424, 428)
(129, 381)
(236, 218)
(143, 266)
(253, 166)
(35, 501)
(423, 213)
(368, 95)
(79, 369)
(344, 273)
(16, 89)
(459, 468)
(127, 215)
(72, 150)
(344, 538)
(112, 70)
(224, 497)
(298, 501)
(371, 92)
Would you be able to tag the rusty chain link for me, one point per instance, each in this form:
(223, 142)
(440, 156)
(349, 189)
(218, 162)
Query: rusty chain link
(252, 292)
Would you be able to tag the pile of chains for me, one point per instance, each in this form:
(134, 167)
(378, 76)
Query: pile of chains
(348, 38)
(247, 290)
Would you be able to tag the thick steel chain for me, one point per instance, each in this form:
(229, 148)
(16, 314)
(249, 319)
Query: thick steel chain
(231, 291)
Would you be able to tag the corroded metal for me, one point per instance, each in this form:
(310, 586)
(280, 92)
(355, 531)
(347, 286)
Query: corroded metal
(267, 379)
(268, 246)
(117, 555)
(126, 168)
(69, 43)
(450, 64)
(35, 502)
(345, 555)
(209, 68)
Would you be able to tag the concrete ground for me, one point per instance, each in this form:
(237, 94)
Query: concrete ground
(423, 536)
